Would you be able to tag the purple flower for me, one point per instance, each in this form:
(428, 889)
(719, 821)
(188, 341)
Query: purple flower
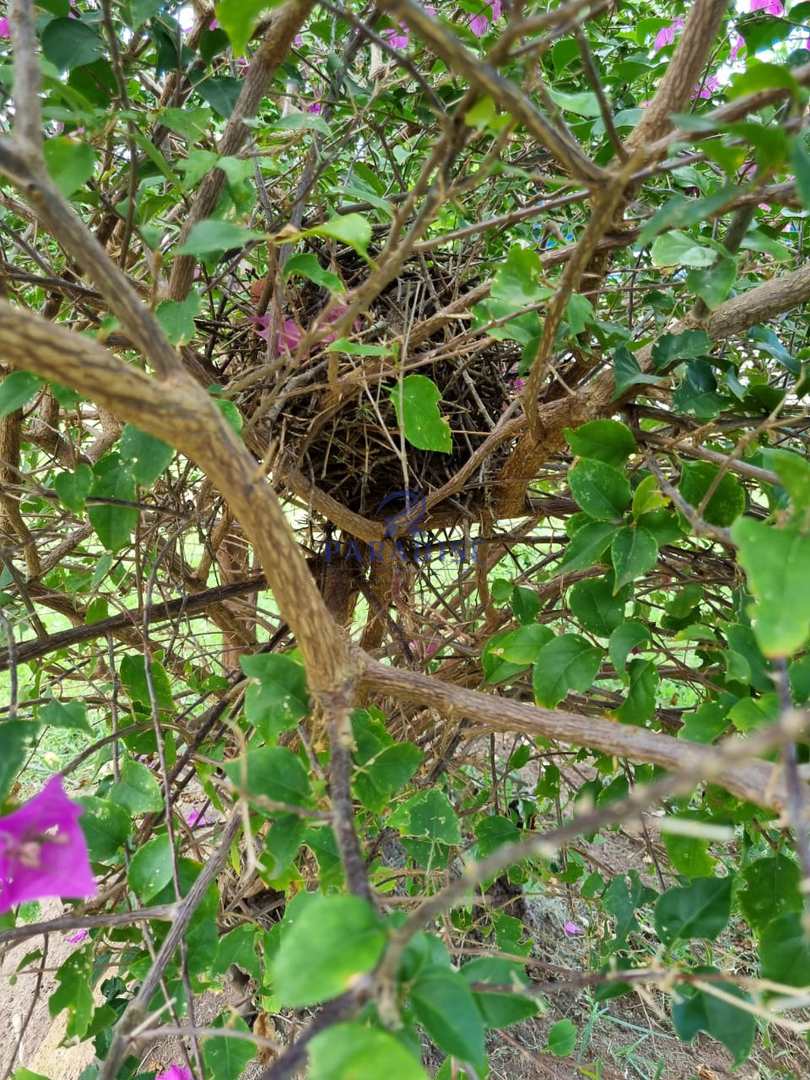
(706, 88)
(196, 817)
(316, 107)
(666, 35)
(430, 10)
(397, 37)
(737, 44)
(495, 8)
(5, 28)
(78, 937)
(571, 929)
(771, 7)
(43, 852)
(175, 1072)
(213, 25)
(518, 385)
(479, 24)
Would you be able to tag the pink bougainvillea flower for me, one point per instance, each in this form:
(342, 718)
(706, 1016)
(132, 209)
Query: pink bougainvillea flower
(291, 335)
(78, 937)
(666, 35)
(770, 7)
(175, 1072)
(43, 852)
(198, 816)
(496, 9)
(5, 28)
(706, 88)
(316, 107)
(397, 37)
(737, 44)
(430, 10)
(572, 929)
(518, 385)
(298, 40)
(479, 24)
(214, 24)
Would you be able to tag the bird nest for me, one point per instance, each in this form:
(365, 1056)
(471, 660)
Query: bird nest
(342, 434)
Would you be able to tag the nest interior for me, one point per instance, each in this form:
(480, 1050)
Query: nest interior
(349, 444)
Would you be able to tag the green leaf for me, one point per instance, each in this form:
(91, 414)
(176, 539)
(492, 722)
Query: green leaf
(238, 19)
(794, 473)
(72, 715)
(777, 565)
(784, 951)
(639, 706)
(525, 604)
(705, 723)
(211, 237)
(772, 888)
(137, 789)
(522, 646)
(332, 941)
(221, 93)
(277, 697)
(697, 392)
(602, 440)
(239, 947)
(648, 498)
(74, 993)
(626, 637)
(148, 457)
(728, 499)
(16, 390)
(281, 845)
(679, 249)
(698, 910)
(150, 868)
(74, 487)
(306, 265)
(355, 1052)
(71, 43)
(584, 103)
(517, 283)
(596, 606)
(177, 317)
(133, 678)
(689, 854)
(113, 523)
(191, 123)
(357, 348)
(444, 1005)
(428, 814)
(16, 737)
(226, 1058)
(680, 212)
(713, 283)
(496, 669)
(499, 1008)
(69, 163)
(481, 114)
(602, 491)
(387, 772)
(350, 229)
(694, 1011)
(272, 771)
(627, 373)
(415, 402)
(688, 345)
(562, 1038)
(587, 546)
(633, 552)
(106, 826)
(800, 160)
(569, 662)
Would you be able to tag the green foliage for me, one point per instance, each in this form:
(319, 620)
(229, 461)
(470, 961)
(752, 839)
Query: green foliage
(346, 1051)
(416, 403)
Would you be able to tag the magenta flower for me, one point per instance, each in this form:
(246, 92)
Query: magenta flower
(518, 385)
(666, 35)
(5, 28)
(479, 24)
(430, 10)
(298, 40)
(175, 1072)
(770, 7)
(213, 25)
(316, 107)
(571, 929)
(737, 44)
(43, 852)
(397, 37)
(706, 88)
(496, 9)
(78, 937)
(197, 816)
